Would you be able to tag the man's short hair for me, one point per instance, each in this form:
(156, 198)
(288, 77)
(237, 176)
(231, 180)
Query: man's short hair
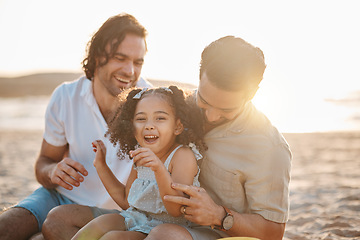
(232, 64)
(112, 32)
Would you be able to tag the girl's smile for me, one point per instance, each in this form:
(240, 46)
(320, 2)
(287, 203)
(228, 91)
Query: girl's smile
(151, 138)
(155, 124)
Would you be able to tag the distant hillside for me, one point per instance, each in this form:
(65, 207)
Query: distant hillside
(45, 83)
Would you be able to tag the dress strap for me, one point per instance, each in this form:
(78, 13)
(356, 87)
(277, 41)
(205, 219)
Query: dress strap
(168, 160)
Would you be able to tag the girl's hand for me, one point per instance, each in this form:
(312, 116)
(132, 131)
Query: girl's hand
(145, 157)
(100, 149)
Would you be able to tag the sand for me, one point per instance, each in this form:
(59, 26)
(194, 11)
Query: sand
(325, 185)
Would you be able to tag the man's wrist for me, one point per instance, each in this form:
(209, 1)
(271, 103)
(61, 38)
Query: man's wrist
(46, 176)
(220, 214)
(227, 221)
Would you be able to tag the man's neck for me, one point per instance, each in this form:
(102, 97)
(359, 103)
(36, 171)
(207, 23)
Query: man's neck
(106, 102)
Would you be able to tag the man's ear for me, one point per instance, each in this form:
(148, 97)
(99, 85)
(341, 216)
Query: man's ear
(179, 128)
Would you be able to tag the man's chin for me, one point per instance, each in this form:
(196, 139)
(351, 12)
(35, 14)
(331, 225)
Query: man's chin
(217, 123)
(125, 85)
(133, 84)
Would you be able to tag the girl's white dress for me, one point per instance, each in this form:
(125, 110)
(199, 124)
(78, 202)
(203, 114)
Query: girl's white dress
(146, 209)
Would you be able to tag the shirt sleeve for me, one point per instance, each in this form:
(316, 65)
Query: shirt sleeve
(54, 124)
(267, 187)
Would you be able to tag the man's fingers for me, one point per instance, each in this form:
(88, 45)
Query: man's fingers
(62, 175)
(68, 173)
(178, 199)
(57, 180)
(188, 190)
(70, 179)
(78, 167)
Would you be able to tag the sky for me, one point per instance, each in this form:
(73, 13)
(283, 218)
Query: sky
(311, 47)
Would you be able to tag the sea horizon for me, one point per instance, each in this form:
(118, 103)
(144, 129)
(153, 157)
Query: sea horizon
(27, 113)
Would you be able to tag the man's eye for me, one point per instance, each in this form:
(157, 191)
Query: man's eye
(203, 101)
(139, 119)
(119, 58)
(139, 63)
(227, 111)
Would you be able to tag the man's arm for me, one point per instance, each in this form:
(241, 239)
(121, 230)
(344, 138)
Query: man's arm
(201, 209)
(52, 169)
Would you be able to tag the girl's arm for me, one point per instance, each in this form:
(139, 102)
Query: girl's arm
(114, 187)
(183, 168)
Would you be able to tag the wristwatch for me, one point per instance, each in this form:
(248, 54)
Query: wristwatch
(227, 222)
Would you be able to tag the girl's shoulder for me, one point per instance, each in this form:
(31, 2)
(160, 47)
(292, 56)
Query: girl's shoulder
(184, 154)
(183, 158)
(191, 149)
(184, 149)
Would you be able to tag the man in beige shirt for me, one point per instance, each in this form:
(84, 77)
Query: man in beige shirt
(245, 173)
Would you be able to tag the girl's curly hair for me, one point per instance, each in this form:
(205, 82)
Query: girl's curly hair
(121, 128)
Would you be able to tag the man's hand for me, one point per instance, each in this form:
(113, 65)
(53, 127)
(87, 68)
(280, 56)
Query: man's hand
(68, 173)
(199, 207)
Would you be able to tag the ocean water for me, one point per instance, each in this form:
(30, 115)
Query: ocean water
(27, 113)
(320, 116)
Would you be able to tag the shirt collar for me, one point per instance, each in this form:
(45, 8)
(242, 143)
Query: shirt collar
(236, 125)
(88, 95)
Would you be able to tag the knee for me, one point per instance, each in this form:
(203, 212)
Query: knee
(160, 231)
(155, 233)
(53, 219)
(112, 235)
(53, 216)
(169, 231)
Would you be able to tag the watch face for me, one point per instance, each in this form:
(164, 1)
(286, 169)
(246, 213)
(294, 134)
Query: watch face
(228, 222)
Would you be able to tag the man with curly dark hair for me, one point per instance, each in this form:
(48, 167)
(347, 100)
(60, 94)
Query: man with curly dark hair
(78, 113)
(245, 173)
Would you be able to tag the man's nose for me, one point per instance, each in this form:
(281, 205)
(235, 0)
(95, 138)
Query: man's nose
(129, 69)
(212, 115)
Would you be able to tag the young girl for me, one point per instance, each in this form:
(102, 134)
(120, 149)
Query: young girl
(155, 127)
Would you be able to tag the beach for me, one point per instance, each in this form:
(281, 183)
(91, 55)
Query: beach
(325, 189)
(325, 177)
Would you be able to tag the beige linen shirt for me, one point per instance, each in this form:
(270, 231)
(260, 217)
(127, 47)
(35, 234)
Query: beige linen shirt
(247, 166)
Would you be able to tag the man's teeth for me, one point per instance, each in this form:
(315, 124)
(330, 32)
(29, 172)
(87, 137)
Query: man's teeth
(122, 80)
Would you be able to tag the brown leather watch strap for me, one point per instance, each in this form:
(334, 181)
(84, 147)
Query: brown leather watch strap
(227, 213)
